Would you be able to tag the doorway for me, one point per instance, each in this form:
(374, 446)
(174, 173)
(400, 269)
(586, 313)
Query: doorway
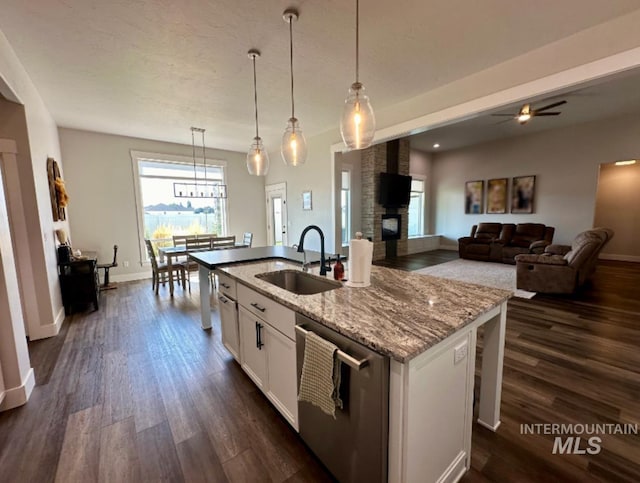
(276, 195)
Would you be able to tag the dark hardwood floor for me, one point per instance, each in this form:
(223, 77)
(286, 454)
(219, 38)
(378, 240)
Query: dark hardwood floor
(138, 392)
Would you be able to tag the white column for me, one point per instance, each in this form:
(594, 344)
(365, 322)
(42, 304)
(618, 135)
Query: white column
(205, 294)
(491, 378)
(14, 354)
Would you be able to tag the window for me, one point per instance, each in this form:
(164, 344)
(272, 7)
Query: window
(416, 208)
(345, 204)
(161, 214)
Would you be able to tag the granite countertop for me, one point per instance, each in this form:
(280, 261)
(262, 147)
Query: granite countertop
(400, 315)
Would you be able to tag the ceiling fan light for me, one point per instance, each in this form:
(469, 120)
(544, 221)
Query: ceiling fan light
(294, 145)
(523, 118)
(358, 122)
(257, 158)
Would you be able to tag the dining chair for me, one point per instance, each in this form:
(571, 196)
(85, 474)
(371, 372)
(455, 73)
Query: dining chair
(196, 245)
(159, 271)
(223, 242)
(247, 239)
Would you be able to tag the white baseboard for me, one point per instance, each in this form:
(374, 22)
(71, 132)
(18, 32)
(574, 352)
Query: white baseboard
(619, 258)
(17, 396)
(131, 277)
(448, 247)
(49, 330)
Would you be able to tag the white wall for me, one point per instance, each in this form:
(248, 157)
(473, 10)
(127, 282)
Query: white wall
(617, 207)
(36, 135)
(315, 175)
(565, 162)
(102, 205)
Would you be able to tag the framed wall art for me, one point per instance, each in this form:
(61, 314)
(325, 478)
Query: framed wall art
(522, 194)
(473, 197)
(497, 195)
(306, 200)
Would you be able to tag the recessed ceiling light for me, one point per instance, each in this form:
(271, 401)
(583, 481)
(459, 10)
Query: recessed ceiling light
(436, 145)
(625, 163)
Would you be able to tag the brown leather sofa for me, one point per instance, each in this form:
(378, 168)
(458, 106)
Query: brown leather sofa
(561, 268)
(501, 242)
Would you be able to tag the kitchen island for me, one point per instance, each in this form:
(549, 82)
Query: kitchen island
(427, 327)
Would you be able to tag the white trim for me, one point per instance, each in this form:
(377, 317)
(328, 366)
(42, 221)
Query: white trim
(448, 247)
(130, 277)
(620, 258)
(268, 189)
(137, 156)
(50, 330)
(17, 396)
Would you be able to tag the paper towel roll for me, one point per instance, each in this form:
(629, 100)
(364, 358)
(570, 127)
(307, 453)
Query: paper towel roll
(360, 257)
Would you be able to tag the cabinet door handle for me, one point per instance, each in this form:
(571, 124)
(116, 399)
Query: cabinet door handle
(259, 343)
(258, 307)
(222, 299)
(225, 285)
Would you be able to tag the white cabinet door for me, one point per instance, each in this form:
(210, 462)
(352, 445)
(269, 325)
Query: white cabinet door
(253, 354)
(229, 325)
(281, 364)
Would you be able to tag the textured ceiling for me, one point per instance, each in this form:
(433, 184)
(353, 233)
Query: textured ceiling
(153, 68)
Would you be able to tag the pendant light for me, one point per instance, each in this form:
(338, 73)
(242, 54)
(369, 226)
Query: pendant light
(358, 123)
(257, 158)
(294, 145)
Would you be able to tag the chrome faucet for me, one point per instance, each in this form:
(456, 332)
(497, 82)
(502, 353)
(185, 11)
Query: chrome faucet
(305, 266)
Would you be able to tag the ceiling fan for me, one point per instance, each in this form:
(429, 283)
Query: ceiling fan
(526, 112)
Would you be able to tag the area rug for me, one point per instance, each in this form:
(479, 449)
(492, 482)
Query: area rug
(496, 275)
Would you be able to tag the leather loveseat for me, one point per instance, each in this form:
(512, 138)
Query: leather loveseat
(562, 268)
(501, 242)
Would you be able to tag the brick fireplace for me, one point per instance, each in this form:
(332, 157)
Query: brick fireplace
(389, 157)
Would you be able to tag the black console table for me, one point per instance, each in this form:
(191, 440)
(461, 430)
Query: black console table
(79, 282)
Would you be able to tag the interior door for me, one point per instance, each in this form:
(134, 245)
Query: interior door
(277, 214)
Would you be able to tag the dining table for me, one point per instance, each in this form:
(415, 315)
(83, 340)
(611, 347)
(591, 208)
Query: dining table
(181, 250)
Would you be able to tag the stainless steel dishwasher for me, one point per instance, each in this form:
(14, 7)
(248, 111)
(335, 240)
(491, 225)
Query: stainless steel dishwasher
(353, 446)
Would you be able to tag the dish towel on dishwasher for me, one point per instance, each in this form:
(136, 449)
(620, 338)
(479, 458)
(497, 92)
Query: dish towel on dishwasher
(320, 378)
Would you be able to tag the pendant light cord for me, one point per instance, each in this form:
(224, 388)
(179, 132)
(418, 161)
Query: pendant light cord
(357, 40)
(291, 64)
(193, 149)
(255, 93)
(204, 158)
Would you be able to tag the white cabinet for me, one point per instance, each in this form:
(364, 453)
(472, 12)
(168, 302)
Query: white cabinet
(268, 349)
(254, 354)
(229, 325)
(228, 314)
(281, 367)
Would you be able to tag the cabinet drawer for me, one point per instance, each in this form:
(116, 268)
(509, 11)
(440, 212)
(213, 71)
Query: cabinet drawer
(226, 285)
(280, 317)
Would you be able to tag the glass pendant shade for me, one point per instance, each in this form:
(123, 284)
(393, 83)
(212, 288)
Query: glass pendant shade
(358, 123)
(257, 158)
(294, 145)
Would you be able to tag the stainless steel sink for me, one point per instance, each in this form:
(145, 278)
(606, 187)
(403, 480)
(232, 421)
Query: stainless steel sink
(298, 282)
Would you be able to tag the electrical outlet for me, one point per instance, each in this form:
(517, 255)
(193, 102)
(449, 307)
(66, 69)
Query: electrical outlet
(460, 352)
(126, 263)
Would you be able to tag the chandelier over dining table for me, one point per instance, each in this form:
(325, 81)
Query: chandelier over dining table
(200, 187)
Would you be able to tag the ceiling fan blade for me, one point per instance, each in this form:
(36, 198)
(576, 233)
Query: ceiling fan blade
(550, 106)
(510, 115)
(547, 114)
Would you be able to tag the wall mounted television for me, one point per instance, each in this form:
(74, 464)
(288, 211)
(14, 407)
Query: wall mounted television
(395, 190)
